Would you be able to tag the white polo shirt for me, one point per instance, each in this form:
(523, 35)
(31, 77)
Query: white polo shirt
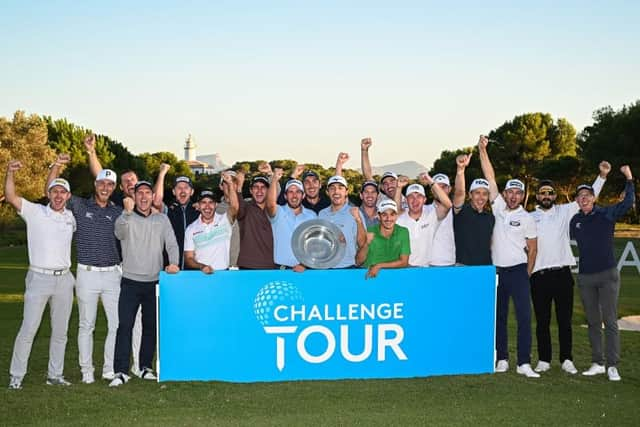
(210, 242)
(510, 234)
(554, 247)
(49, 235)
(421, 235)
(444, 242)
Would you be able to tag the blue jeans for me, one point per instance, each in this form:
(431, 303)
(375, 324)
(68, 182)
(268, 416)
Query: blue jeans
(514, 282)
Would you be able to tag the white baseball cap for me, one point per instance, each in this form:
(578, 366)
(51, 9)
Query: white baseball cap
(415, 188)
(61, 182)
(514, 183)
(386, 205)
(294, 183)
(337, 179)
(441, 178)
(479, 183)
(108, 175)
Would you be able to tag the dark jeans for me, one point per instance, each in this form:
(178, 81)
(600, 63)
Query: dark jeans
(553, 287)
(132, 295)
(514, 282)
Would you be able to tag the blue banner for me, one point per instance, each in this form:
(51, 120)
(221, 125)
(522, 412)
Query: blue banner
(272, 325)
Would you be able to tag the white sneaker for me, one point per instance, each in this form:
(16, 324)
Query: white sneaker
(57, 381)
(108, 376)
(119, 379)
(613, 374)
(525, 369)
(542, 366)
(502, 366)
(595, 369)
(15, 383)
(147, 374)
(569, 367)
(87, 378)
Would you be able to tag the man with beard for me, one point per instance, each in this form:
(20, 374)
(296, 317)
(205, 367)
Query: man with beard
(143, 236)
(421, 221)
(598, 277)
(444, 246)
(472, 221)
(348, 218)
(369, 197)
(552, 281)
(285, 219)
(256, 235)
(313, 198)
(513, 249)
(387, 244)
(208, 238)
(99, 271)
(49, 232)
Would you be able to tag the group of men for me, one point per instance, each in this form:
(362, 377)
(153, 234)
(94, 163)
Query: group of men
(124, 241)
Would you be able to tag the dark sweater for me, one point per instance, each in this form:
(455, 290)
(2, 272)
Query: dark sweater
(594, 233)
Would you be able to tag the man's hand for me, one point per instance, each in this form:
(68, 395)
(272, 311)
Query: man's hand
(164, 168)
(372, 272)
(370, 237)
(128, 204)
(355, 213)
(343, 158)
(206, 269)
(462, 161)
(90, 143)
(13, 166)
(227, 178)
(277, 174)
(425, 179)
(483, 142)
(365, 143)
(63, 159)
(605, 168)
(297, 171)
(265, 168)
(626, 171)
(240, 179)
(299, 268)
(402, 182)
(172, 269)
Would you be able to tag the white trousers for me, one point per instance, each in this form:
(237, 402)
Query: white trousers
(92, 286)
(136, 340)
(41, 289)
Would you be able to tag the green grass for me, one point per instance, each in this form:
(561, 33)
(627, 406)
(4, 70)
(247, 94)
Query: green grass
(500, 399)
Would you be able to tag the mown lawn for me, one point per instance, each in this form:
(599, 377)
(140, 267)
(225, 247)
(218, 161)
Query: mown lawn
(498, 399)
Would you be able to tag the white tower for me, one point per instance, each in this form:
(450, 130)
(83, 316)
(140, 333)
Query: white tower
(189, 149)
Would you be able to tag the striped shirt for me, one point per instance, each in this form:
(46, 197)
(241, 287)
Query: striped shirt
(95, 242)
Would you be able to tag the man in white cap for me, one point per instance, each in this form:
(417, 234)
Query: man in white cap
(513, 248)
(208, 239)
(368, 207)
(49, 232)
(285, 219)
(348, 218)
(472, 221)
(421, 221)
(99, 271)
(444, 245)
(387, 244)
(552, 280)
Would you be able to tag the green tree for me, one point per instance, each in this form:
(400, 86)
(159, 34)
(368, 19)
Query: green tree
(24, 138)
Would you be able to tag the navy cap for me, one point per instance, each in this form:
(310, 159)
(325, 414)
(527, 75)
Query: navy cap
(307, 174)
(143, 184)
(183, 178)
(207, 194)
(260, 178)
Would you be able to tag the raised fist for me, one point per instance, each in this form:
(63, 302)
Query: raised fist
(462, 161)
(63, 159)
(128, 204)
(343, 158)
(297, 171)
(626, 171)
(164, 168)
(14, 165)
(365, 143)
(403, 181)
(265, 168)
(425, 179)
(605, 167)
(90, 142)
(370, 237)
(277, 173)
(483, 142)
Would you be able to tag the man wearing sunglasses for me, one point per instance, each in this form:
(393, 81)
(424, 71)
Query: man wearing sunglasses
(552, 281)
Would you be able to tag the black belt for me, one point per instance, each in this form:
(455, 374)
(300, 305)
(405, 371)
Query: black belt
(549, 270)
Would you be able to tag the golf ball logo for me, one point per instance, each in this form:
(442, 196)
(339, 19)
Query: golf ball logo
(272, 295)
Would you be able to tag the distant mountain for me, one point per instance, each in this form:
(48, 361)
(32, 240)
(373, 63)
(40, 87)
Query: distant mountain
(410, 168)
(214, 160)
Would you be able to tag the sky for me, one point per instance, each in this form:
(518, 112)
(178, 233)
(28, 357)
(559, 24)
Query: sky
(305, 80)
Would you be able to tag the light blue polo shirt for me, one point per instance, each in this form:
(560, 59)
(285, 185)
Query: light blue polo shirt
(283, 225)
(343, 219)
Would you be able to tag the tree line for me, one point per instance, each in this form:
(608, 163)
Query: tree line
(530, 146)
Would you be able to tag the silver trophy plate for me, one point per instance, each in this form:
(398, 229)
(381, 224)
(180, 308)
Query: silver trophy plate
(318, 244)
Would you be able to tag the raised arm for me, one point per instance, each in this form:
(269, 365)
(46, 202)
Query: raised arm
(94, 163)
(604, 168)
(158, 187)
(361, 236)
(402, 182)
(487, 167)
(444, 203)
(363, 251)
(10, 186)
(54, 171)
(340, 161)
(365, 163)
(618, 210)
(231, 194)
(271, 203)
(460, 192)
